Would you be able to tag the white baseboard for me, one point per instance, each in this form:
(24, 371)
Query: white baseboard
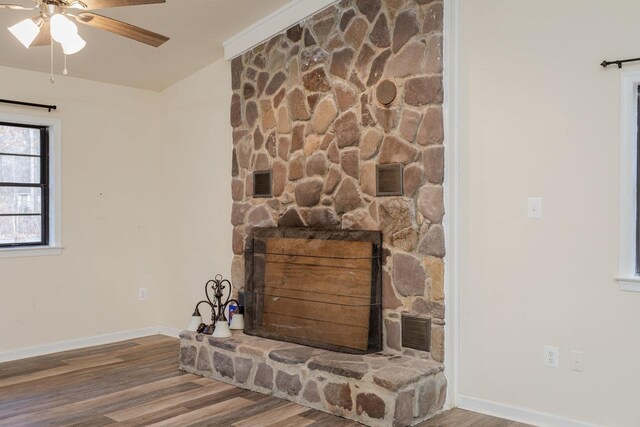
(56, 347)
(518, 414)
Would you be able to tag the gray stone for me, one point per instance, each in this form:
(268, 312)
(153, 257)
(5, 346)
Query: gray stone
(405, 239)
(392, 328)
(365, 113)
(347, 197)
(341, 62)
(356, 33)
(317, 164)
(413, 178)
(437, 343)
(433, 18)
(270, 145)
(251, 113)
(291, 218)
(347, 16)
(433, 61)
(248, 91)
(223, 364)
(332, 180)
(262, 162)
(387, 117)
(377, 67)
(370, 144)
(324, 115)
(368, 178)
(396, 377)
(395, 150)
(309, 40)
(298, 105)
(316, 80)
(237, 212)
(276, 81)
(423, 90)
(408, 274)
(431, 202)
(228, 344)
(244, 151)
(406, 27)
(258, 139)
(433, 243)
(260, 216)
(278, 178)
(323, 218)
(433, 159)
(350, 162)
(347, 129)
(409, 124)
(363, 62)
(237, 190)
(264, 376)
(333, 153)
(188, 356)
(430, 309)
(243, 368)
(283, 120)
(284, 145)
(237, 271)
(308, 191)
(370, 404)
(431, 128)
(369, 8)
(292, 356)
(236, 110)
(237, 242)
(296, 166)
(389, 299)
(403, 413)
(236, 72)
(311, 392)
(297, 137)
(263, 78)
(235, 168)
(289, 384)
(322, 28)
(295, 33)
(339, 395)
(310, 58)
(379, 35)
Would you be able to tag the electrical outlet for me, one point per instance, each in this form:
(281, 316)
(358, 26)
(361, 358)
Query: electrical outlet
(576, 361)
(534, 207)
(143, 294)
(551, 356)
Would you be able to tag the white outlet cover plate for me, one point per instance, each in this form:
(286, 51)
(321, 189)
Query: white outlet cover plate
(577, 363)
(551, 356)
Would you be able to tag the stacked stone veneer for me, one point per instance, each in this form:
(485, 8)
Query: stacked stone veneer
(377, 390)
(304, 105)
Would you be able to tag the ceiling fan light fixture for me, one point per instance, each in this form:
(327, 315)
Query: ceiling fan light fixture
(73, 45)
(25, 31)
(62, 29)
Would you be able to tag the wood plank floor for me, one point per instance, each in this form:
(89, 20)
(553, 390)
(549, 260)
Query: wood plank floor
(137, 383)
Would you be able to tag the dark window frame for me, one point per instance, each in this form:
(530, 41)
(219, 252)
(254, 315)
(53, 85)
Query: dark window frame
(43, 185)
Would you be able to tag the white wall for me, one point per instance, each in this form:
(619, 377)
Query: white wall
(110, 170)
(540, 117)
(196, 198)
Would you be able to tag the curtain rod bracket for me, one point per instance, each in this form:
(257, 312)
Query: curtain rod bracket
(618, 62)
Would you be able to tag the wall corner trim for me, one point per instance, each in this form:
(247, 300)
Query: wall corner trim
(274, 23)
(518, 414)
(56, 347)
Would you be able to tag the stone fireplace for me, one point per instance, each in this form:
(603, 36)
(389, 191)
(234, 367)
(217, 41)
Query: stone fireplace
(322, 107)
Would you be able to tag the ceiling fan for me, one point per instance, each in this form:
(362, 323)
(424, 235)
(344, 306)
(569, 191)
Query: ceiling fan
(54, 23)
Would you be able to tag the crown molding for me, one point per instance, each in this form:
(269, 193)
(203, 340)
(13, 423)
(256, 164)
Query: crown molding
(275, 23)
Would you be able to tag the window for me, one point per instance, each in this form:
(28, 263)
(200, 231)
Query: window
(629, 265)
(24, 185)
(30, 186)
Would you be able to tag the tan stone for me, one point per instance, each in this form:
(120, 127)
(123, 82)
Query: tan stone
(345, 96)
(298, 105)
(423, 90)
(237, 189)
(237, 272)
(278, 178)
(284, 122)
(333, 179)
(379, 35)
(296, 166)
(268, 115)
(261, 162)
(317, 164)
(341, 62)
(431, 202)
(437, 343)
(413, 178)
(356, 33)
(333, 153)
(433, 63)
(347, 129)
(433, 159)
(368, 178)
(236, 110)
(284, 144)
(409, 124)
(324, 115)
(432, 242)
(435, 272)
(408, 62)
(370, 144)
(350, 162)
(311, 144)
(297, 137)
(406, 26)
(358, 220)
(433, 18)
(363, 62)
(431, 129)
(394, 150)
(308, 191)
(408, 274)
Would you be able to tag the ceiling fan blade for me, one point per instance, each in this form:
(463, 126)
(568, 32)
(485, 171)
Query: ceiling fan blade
(15, 7)
(121, 28)
(44, 36)
(104, 4)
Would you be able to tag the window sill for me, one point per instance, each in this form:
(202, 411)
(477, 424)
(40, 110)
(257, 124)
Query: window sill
(29, 251)
(629, 284)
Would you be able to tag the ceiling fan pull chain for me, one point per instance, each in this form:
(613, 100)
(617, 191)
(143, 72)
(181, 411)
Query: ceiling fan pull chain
(52, 80)
(65, 71)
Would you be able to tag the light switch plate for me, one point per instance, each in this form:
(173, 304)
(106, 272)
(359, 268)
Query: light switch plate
(534, 207)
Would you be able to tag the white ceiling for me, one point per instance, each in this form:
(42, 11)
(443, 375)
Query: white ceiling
(197, 29)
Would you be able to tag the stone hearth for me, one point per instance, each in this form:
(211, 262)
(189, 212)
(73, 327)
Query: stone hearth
(380, 389)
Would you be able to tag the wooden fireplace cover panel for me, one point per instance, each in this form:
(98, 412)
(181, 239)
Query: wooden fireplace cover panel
(315, 291)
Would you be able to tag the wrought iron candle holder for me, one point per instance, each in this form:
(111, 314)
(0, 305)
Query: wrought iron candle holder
(219, 326)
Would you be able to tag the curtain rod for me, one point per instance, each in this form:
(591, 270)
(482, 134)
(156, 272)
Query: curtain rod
(29, 104)
(618, 62)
